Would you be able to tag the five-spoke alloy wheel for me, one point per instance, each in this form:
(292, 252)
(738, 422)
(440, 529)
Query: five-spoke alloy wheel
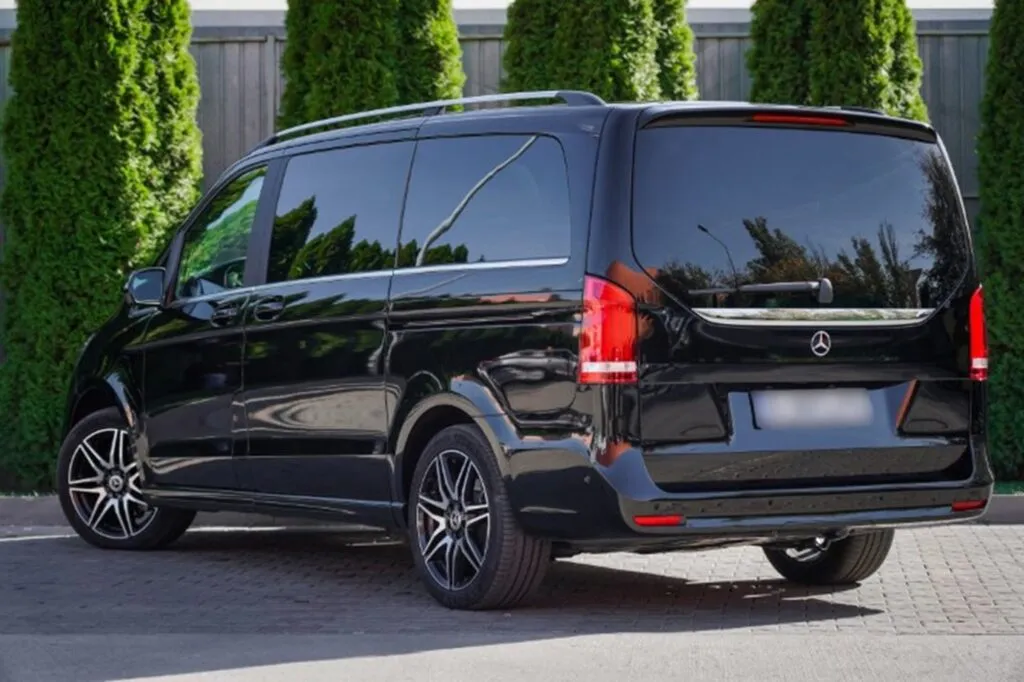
(468, 547)
(98, 485)
(452, 520)
(103, 483)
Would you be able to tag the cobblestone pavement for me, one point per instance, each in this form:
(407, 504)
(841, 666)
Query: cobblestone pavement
(949, 580)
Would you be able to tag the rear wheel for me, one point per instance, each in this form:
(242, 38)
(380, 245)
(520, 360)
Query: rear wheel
(98, 488)
(841, 562)
(468, 548)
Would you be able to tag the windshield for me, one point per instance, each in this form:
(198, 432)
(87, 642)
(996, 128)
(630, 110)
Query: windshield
(719, 208)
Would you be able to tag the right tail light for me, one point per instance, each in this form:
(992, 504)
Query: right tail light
(979, 337)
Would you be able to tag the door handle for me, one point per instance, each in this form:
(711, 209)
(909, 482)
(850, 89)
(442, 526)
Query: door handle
(268, 309)
(226, 313)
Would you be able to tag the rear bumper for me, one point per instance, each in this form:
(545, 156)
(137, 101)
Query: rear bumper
(788, 513)
(595, 507)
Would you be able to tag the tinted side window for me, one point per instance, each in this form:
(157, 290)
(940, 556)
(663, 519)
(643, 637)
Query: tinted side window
(214, 250)
(338, 212)
(486, 198)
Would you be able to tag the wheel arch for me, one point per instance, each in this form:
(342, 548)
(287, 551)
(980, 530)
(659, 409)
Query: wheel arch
(100, 393)
(465, 403)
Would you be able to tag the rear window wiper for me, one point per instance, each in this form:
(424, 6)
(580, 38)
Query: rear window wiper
(823, 287)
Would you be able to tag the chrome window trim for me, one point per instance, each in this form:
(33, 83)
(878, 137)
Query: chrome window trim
(398, 272)
(484, 265)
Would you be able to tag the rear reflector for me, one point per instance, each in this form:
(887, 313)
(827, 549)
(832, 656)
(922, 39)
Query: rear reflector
(608, 334)
(969, 505)
(797, 119)
(656, 521)
(978, 338)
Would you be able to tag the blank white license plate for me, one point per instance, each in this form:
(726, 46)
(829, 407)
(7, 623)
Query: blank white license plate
(839, 407)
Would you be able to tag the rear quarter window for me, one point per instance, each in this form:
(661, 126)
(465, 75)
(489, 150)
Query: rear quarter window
(718, 207)
(486, 198)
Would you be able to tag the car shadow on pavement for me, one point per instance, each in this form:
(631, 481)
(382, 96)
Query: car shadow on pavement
(238, 587)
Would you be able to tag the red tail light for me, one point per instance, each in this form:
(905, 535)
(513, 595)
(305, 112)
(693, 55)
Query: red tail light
(659, 520)
(798, 119)
(979, 338)
(969, 505)
(608, 334)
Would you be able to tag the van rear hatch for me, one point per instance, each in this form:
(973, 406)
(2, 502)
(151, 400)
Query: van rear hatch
(807, 313)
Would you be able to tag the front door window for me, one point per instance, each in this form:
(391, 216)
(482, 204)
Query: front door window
(214, 251)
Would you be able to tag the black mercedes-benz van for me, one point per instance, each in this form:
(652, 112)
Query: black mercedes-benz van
(529, 330)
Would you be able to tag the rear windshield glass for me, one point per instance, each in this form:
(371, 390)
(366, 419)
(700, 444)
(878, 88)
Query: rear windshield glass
(718, 209)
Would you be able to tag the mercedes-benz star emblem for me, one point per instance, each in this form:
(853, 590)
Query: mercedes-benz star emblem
(821, 344)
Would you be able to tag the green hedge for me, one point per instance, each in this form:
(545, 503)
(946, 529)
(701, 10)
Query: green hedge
(854, 52)
(1001, 233)
(93, 180)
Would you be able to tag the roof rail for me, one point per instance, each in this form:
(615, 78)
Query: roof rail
(573, 98)
(863, 110)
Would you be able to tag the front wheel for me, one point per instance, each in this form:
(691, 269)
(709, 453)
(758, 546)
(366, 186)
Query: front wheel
(98, 488)
(842, 562)
(468, 548)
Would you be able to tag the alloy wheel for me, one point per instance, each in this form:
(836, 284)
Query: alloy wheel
(103, 483)
(453, 520)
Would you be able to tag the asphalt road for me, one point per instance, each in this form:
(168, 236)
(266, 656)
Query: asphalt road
(303, 606)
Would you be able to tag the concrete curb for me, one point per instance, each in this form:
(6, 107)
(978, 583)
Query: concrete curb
(44, 511)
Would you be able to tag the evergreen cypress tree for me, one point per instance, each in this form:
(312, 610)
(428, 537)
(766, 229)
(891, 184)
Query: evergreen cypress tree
(677, 62)
(297, 25)
(778, 58)
(341, 57)
(1001, 233)
(608, 47)
(849, 47)
(529, 45)
(821, 52)
(429, 57)
(81, 207)
(906, 71)
(172, 84)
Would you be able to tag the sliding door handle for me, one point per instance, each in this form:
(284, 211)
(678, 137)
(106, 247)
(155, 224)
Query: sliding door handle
(268, 309)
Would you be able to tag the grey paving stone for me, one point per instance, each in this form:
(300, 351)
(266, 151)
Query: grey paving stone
(960, 579)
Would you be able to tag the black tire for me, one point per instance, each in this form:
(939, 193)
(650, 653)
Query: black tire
(153, 529)
(514, 563)
(844, 562)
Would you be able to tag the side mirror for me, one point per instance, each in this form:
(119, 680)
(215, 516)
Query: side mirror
(145, 287)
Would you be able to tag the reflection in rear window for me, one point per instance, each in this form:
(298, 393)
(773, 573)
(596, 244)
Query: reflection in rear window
(719, 208)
